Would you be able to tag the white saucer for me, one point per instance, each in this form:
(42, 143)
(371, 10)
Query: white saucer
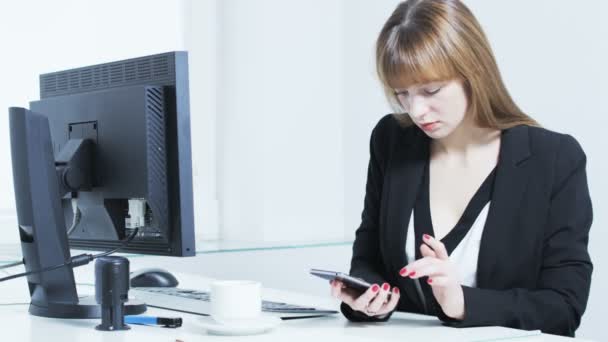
(250, 327)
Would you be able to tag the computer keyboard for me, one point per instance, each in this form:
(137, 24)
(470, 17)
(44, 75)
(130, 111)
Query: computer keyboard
(198, 302)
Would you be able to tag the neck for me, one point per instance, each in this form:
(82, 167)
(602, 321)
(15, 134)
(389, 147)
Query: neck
(464, 143)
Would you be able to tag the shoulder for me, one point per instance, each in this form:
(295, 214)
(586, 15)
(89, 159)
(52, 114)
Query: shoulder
(389, 129)
(388, 133)
(560, 155)
(565, 148)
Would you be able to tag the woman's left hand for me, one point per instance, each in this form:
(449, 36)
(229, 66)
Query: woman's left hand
(443, 276)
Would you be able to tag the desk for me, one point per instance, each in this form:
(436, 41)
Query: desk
(20, 326)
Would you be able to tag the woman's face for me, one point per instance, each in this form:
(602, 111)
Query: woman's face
(438, 108)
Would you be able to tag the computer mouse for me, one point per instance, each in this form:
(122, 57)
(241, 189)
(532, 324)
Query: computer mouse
(153, 277)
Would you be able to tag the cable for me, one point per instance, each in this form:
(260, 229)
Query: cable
(76, 261)
(13, 264)
(76, 216)
(46, 269)
(129, 238)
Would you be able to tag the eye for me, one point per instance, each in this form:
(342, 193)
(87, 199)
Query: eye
(432, 91)
(401, 93)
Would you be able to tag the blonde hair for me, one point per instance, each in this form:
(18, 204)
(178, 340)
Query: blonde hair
(439, 40)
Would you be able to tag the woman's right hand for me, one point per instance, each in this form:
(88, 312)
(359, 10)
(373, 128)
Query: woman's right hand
(374, 302)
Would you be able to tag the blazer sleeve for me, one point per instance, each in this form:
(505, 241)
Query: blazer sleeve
(560, 297)
(366, 261)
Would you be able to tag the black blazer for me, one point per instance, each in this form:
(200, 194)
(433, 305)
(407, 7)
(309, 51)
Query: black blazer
(534, 271)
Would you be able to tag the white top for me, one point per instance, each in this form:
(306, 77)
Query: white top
(466, 253)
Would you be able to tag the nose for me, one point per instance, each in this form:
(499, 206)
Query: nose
(418, 107)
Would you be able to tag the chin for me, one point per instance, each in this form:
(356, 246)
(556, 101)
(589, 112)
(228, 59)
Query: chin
(439, 133)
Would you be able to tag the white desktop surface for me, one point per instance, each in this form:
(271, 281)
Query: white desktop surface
(18, 325)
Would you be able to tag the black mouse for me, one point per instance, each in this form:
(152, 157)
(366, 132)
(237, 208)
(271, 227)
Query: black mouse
(153, 277)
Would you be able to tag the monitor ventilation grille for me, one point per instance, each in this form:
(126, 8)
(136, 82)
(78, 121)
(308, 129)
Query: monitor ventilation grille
(150, 70)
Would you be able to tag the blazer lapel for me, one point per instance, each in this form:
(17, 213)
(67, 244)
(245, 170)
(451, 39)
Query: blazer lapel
(509, 186)
(405, 173)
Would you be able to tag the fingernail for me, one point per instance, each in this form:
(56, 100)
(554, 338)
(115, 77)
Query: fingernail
(426, 237)
(375, 288)
(430, 281)
(386, 286)
(396, 290)
(412, 274)
(403, 272)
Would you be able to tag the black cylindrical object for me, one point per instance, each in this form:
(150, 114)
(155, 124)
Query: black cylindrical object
(111, 291)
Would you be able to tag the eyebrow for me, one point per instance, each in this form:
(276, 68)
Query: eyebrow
(431, 84)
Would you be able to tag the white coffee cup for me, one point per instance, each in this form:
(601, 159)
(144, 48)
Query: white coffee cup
(236, 301)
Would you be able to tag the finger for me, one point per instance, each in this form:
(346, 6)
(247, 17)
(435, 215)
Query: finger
(425, 250)
(437, 246)
(374, 306)
(361, 303)
(439, 281)
(342, 293)
(432, 269)
(336, 287)
(392, 303)
(410, 269)
(348, 299)
(407, 270)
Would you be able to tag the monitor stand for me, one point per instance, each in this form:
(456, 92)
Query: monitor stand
(87, 307)
(42, 228)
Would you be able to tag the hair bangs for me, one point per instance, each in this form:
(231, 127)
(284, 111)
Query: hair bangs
(410, 58)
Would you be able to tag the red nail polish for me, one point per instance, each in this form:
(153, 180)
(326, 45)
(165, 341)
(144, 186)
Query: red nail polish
(426, 237)
(396, 290)
(386, 286)
(375, 288)
(412, 274)
(430, 281)
(403, 272)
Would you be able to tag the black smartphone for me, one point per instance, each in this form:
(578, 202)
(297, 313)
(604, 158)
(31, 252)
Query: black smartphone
(352, 282)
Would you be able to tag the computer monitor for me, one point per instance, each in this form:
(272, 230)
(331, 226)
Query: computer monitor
(107, 149)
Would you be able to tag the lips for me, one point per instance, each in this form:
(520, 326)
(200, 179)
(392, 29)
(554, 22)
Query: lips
(429, 126)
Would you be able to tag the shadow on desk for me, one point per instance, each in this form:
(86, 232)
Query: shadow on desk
(415, 322)
(405, 326)
(79, 323)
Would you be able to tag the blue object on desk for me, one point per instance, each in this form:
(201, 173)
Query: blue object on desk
(169, 322)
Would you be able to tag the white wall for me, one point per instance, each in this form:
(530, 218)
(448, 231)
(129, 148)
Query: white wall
(280, 153)
(201, 36)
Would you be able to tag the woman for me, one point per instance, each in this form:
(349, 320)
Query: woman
(472, 212)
